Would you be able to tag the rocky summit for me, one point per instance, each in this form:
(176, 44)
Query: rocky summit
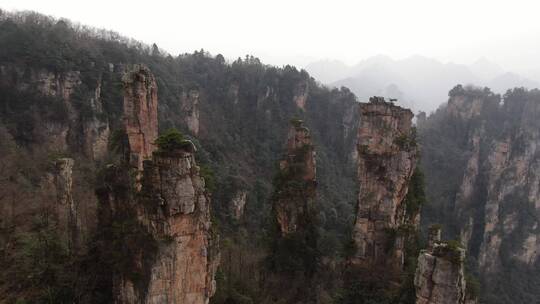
(387, 156)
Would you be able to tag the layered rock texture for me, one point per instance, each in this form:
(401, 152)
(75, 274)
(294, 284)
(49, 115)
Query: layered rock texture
(140, 113)
(172, 208)
(387, 157)
(487, 152)
(190, 108)
(69, 128)
(237, 204)
(175, 210)
(296, 181)
(66, 208)
(439, 277)
(300, 95)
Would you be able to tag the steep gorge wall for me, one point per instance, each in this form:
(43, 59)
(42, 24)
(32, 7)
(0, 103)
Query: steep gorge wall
(495, 160)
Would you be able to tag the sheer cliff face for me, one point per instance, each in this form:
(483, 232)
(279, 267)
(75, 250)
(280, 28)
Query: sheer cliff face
(190, 109)
(140, 113)
(439, 277)
(493, 161)
(172, 206)
(296, 182)
(386, 160)
(90, 134)
(505, 167)
(176, 212)
(66, 208)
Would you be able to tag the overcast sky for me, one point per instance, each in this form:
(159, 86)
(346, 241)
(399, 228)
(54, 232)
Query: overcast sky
(299, 31)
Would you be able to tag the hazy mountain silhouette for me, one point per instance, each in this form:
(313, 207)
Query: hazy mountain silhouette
(418, 82)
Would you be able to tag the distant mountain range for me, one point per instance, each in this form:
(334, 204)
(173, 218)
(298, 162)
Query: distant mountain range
(418, 82)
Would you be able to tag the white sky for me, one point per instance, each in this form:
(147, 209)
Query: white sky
(299, 31)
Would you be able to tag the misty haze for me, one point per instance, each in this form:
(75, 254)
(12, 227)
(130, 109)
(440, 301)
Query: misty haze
(272, 152)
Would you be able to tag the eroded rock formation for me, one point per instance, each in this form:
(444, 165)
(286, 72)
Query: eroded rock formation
(96, 130)
(181, 256)
(190, 110)
(481, 159)
(177, 215)
(501, 174)
(387, 156)
(237, 204)
(301, 94)
(295, 190)
(66, 208)
(140, 113)
(439, 277)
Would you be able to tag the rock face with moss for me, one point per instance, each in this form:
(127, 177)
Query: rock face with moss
(190, 109)
(481, 158)
(140, 113)
(177, 213)
(238, 204)
(66, 208)
(295, 189)
(176, 255)
(439, 277)
(387, 157)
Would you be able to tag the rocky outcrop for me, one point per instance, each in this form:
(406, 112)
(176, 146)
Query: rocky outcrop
(175, 209)
(489, 194)
(172, 207)
(66, 208)
(96, 130)
(60, 85)
(387, 157)
(296, 182)
(499, 169)
(140, 113)
(439, 277)
(90, 133)
(178, 254)
(237, 204)
(301, 94)
(190, 110)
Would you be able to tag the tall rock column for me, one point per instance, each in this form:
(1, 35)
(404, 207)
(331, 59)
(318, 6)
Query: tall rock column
(190, 109)
(179, 262)
(184, 269)
(293, 256)
(295, 188)
(66, 209)
(387, 157)
(439, 277)
(174, 251)
(140, 113)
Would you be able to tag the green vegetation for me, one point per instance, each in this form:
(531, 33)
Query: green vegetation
(172, 140)
(416, 196)
(44, 264)
(296, 122)
(209, 178)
